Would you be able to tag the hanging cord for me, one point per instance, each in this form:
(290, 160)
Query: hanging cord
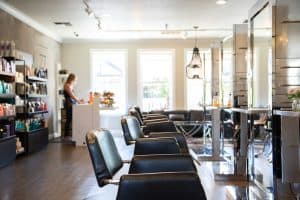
(196, 36)
(196, 41)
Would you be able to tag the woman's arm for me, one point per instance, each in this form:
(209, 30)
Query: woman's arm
(68, 89)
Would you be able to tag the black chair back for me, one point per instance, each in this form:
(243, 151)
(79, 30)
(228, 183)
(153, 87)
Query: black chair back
(133, 112)
(162, 163)
(161, 186)
(104, 155)
(138, 110)
(131, 129)
(166, 145)
(126, 133)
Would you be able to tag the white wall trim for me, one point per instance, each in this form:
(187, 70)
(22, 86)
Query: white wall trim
(29, 21)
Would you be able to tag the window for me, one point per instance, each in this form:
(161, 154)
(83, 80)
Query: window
(155, 79)
(194, 87)
(109, 74)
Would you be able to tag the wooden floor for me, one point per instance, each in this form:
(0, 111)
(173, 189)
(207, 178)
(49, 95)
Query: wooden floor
(62, 171)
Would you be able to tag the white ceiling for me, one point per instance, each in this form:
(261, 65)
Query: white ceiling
(135, 18)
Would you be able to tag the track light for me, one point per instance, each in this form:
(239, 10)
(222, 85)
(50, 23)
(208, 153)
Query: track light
(89, 11)
(99, 26)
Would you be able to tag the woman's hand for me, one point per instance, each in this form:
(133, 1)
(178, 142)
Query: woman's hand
(81, 101)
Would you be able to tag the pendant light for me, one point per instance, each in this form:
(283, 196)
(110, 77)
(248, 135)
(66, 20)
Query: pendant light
(194, 69)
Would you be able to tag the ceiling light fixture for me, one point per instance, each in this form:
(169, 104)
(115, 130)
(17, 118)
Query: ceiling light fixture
(99, 26)
(221, 2)
(194, 69)
(89, 11)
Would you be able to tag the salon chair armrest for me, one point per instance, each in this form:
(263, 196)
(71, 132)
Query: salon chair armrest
(162, 163)
(166, 145)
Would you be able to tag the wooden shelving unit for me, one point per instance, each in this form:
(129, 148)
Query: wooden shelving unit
(8, 139)
(37, 139)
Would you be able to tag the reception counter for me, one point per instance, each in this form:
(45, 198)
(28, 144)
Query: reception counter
(86, 117)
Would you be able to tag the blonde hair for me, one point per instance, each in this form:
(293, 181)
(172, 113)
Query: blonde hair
(71, 78)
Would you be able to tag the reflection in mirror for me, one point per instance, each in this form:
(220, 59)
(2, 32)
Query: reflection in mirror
(227, 73)
(261, 69)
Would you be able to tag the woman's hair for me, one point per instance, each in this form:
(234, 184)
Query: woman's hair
(71, 78)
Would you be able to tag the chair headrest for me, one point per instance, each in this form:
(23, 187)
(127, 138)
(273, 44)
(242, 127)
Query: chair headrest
(104, 154)
(161, 186)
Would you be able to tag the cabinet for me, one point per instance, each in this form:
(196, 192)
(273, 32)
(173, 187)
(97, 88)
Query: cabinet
(7, 150)
(7, 111)
(32, 123)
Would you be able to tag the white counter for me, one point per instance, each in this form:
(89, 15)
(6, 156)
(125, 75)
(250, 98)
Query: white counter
(87, 117)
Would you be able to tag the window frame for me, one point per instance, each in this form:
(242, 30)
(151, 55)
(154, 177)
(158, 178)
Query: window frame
(125, 71)
(139, 77)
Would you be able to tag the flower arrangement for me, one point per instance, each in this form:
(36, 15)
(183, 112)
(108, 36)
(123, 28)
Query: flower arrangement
(294, 94)
(107, 99)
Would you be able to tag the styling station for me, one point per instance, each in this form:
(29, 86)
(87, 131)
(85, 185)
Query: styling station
(150, 100)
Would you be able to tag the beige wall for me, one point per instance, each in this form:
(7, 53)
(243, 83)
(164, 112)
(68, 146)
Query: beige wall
(75, 57)
(33, 42)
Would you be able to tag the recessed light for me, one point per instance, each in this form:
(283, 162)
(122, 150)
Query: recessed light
(106, 15)
(221, 2)
(63, 23)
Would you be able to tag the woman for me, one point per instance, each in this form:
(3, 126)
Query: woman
(70, 99)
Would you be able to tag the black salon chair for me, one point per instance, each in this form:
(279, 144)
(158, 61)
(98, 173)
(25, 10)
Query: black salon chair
(149, 116)
(161, 186)
(156, 177)
(154, 125)
(107, 160)
(146, 120)
(132, 131)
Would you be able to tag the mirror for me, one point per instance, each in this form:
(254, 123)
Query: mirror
(260, 93)
(260, 68)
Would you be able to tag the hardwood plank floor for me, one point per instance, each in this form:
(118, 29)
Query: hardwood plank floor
(62, 171)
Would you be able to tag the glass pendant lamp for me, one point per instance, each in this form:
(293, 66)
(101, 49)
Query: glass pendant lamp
(194, 69)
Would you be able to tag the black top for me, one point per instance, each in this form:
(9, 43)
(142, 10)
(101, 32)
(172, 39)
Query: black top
(69, 101)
